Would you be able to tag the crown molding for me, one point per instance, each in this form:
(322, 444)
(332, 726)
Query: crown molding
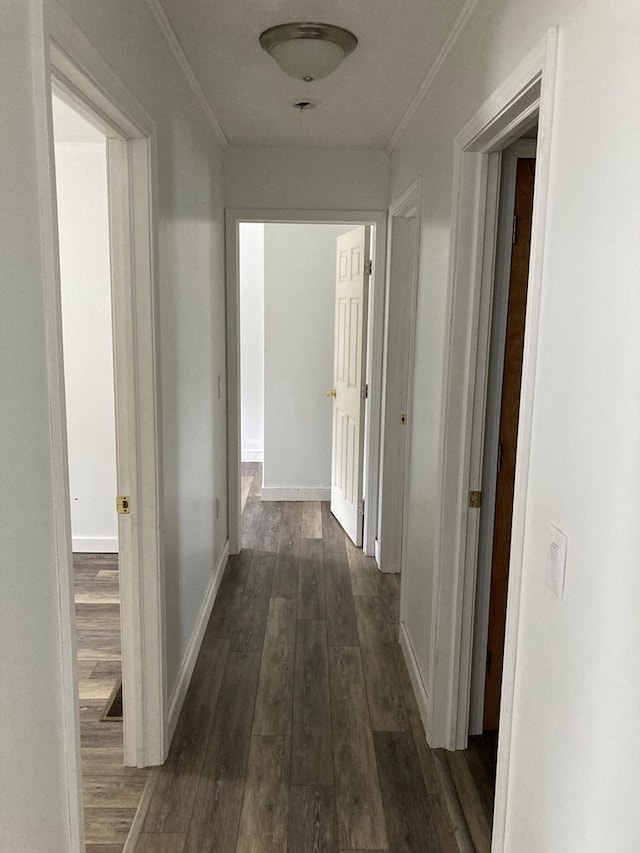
(467, 11)
(161, 18)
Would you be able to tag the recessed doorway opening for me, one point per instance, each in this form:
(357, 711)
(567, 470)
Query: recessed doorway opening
(287, 348)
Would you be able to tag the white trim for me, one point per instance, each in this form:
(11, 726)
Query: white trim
(95, 545)
(58, 439)
(414, 105)
(374, 352)
(189, 661)
(252, 456)
(162, 20)
(487, 405)
(528, 91)
(295, 493)
(413, 669)
(83, 78)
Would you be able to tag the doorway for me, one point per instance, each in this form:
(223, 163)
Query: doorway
(473, 769)
(87, 333)
(130, 247)
(513, 243)
(237, 220)
(303, 309)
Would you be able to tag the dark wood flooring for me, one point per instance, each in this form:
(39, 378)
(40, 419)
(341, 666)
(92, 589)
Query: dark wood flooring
(111, 791)
(300, 731)
(473, 771)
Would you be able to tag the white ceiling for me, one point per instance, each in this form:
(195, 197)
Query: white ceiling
(360, 104)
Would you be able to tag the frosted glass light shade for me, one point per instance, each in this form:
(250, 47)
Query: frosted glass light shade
(308, 51)
(308, 59)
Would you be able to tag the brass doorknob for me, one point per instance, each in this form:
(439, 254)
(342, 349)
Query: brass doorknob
(331, 392)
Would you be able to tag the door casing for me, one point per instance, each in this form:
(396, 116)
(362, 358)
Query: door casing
(444, 701)
(85, 81)
(378, 220)
(500, 296)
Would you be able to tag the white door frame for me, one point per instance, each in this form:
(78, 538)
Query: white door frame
(493, 404)
(375, 218)
(407, 206)
(527, 92)
(86, 82)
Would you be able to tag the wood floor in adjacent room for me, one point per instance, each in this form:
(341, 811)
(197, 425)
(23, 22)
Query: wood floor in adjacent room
(300, 731)
(111, 791)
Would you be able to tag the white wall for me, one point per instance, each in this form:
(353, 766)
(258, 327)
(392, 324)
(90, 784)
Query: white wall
(573, 778)
(83, 229)
(35, 806)
(299, 262)
(306, 178)
(34, 801)
(191, 305)
(251, 278)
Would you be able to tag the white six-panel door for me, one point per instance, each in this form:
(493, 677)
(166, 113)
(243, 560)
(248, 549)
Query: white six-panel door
(348, 380)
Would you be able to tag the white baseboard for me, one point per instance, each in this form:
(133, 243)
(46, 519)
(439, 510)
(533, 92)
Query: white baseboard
(376, 551)
(252, 455)
(295, 493)
(93, 545)
(186, 670)
(414, 674)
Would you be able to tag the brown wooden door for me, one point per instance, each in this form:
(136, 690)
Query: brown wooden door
(510, 405)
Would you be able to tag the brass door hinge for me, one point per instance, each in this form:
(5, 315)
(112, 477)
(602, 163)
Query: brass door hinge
(368, 267)
(123, 504)
(475, 500)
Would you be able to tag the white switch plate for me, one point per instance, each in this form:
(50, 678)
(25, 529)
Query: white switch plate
(557, 561)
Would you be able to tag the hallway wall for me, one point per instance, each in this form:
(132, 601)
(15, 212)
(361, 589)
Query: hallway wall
(37, 734)
(306, 178)
(191, 307)
(33, 780)
(573, 781)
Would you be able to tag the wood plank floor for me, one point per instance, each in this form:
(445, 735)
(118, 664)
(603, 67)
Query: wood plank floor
(300, 731)
(111, 791)
(473, 771)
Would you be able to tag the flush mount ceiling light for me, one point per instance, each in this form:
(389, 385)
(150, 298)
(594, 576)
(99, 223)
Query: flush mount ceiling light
(308, 51)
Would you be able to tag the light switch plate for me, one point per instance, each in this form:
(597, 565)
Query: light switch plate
(557, 561)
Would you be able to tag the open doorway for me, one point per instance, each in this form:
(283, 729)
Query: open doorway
(110, 111)
(298, 422)
(100, 290)
(474, 769)
(513, 246)
(87, 338)
(287, 287)
(303, 309)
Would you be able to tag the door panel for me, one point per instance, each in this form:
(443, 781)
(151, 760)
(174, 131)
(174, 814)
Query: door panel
(348, 404)
(509, 411)
(400, 317)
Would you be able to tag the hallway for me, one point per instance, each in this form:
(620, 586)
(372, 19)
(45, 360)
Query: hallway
(300, 731)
